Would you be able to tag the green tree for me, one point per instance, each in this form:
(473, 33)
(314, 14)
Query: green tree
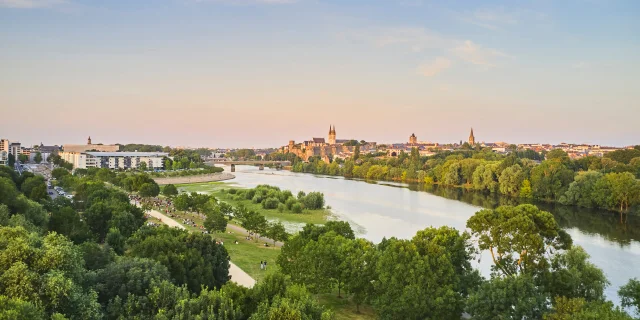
(412, 286)
(356, 152)
(59, 173)
(525, 190)
(150, 189)
(191, 258)
(68, 222)
(510, 180)
(215, 221)
(35, 188)
(550, 180)
(579, 309)
(519, 238)
(630, 294)
(573, 276)
(254, 222)
(511, 297)
(276, 232)
(38, 157)
(170, 190)
(97, 218)
(581, 190)
(142, 166)
(116, 240)
(23, 158)
(182, 202)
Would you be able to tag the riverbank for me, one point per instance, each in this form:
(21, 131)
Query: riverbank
(213, 177)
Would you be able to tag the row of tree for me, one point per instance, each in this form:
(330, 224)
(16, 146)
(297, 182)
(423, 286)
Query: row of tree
(537, 272)
(556, 179)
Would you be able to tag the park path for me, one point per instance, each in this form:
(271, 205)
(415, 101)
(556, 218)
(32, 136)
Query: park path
(237, 275)
(244, 232)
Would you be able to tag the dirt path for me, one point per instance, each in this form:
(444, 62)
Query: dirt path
(195, 179)
(237, 275)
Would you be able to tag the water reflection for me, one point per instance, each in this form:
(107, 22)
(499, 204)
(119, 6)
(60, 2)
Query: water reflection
(388, 209)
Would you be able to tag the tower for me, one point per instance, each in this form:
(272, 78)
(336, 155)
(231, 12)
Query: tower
(332, 135)
(89, 140)
(472, 139)
(413, 139)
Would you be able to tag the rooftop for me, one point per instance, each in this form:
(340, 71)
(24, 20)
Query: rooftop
(127, 154)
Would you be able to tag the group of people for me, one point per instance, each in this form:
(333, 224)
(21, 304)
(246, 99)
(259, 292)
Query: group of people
(263, 265)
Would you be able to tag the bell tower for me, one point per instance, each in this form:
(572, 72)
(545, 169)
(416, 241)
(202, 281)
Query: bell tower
(472, 139)
(89, 140)
(332, 135)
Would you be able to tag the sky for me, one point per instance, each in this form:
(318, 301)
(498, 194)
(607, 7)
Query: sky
(258, 73)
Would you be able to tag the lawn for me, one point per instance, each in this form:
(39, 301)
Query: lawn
(344, 308)
(247, 254)
(215, 188)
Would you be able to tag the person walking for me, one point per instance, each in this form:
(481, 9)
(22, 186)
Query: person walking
(265, 265)
(261, 264)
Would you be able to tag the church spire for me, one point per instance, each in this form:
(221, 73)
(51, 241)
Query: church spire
(472, 138)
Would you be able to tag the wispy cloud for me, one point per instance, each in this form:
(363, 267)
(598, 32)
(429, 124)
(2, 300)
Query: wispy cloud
(429, 69)
(475, 54)
(246, 2)
(500, 17)
(30, 4)
(421, 40)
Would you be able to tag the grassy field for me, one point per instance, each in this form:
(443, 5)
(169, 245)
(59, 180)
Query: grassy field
(215, 188)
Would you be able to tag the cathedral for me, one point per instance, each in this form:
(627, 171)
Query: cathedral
(321, 147)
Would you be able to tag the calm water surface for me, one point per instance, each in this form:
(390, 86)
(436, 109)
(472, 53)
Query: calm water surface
(387, 209)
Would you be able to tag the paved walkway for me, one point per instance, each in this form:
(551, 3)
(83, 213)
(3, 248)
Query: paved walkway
(237, 275)
(195, 179)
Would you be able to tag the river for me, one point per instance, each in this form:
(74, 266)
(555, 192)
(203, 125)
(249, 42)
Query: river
(387, 209)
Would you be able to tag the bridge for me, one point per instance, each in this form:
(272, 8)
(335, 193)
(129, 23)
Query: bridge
(259, 163)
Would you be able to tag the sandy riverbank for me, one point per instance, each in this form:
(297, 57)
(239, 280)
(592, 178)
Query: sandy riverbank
(195, 179)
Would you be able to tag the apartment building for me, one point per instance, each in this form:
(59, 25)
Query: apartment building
(114, 160)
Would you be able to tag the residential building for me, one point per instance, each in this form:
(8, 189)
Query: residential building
(4, 145)
(15, 149)
(114, 160)
(4, 158)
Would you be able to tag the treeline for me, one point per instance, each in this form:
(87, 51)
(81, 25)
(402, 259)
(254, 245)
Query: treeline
(271, 197)
(93, 258)
(608, 182)
(536, 271)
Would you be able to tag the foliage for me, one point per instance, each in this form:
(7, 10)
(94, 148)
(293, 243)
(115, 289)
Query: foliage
(518, 238)
(170, 190)
(630, 294)
(192, 259)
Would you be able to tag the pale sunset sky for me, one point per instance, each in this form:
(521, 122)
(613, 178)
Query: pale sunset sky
(257, 73)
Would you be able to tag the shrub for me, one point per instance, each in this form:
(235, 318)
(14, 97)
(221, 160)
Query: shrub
(296, 208)
(233, 191)
(256, 199)
(313, 201)
(281, 207)
(270, 203)
(289, 203)
(250, 194)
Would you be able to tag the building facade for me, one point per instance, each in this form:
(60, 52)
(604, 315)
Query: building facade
(4, 145)
(15, 149)
(4, 158)
(115, 160)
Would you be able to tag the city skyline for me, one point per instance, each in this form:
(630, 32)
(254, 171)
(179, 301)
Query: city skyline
(257, 73)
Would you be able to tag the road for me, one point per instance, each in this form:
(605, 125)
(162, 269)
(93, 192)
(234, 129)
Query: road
(237, 275)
